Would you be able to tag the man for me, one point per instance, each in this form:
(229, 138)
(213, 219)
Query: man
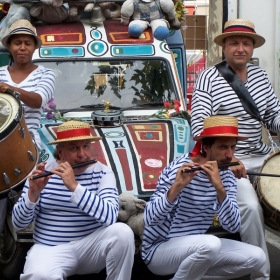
(214, 96)
(182, 209)
(75, 213)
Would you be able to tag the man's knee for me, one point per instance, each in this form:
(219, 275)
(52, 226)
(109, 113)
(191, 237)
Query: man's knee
(123, 233)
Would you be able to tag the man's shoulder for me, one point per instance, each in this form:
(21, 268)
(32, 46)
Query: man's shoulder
(254, 68)
(180, 160)
(211, 72)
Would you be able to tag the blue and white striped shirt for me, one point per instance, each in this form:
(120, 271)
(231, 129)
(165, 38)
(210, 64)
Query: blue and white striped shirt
(61, 215)
(214, 96)
(192, 212)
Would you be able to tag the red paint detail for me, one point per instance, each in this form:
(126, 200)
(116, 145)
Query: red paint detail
(62, 34)
(118, 34)
(121, 152)
(148, 149)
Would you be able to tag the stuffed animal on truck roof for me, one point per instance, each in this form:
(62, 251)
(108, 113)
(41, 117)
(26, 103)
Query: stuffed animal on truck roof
(160, 15)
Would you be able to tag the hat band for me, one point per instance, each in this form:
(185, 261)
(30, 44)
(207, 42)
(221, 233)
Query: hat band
(22, 29)
(217, 130)
(72, 133)
(239, 28)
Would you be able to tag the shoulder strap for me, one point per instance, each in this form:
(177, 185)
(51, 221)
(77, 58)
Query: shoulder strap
(238, 86)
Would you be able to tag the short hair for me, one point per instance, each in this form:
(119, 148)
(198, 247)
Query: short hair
(207, 141)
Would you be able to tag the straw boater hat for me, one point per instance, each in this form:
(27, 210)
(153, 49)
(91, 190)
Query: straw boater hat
(220, 126)
(22, 26)
(240, 27)
(73, 131)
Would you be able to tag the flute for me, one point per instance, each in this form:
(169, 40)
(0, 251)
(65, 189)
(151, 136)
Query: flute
(73, 166)
(223, 165)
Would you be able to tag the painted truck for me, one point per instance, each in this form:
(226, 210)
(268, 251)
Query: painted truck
(96, 64)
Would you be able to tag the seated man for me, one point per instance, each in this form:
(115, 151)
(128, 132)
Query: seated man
(183, 206)
(75, 213)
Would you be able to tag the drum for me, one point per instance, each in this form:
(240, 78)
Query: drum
(18, 153)
(268, 191)
(108, 118)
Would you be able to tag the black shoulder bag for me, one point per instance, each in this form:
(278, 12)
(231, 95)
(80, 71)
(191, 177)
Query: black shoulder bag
(246, 99)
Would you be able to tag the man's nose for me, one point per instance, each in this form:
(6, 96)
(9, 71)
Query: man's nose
(81, 151)
(241, 47)
(229, 152)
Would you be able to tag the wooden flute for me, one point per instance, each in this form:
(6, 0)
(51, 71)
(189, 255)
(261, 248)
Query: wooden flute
(73, 166)
(223, 165)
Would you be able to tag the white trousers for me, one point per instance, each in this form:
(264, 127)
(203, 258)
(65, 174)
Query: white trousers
(204, 256)
(111, 247)
(252, 221)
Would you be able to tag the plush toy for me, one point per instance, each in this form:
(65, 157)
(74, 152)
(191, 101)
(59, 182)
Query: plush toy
(15, 12)
(131, 210)
(110, 10)
(160, 15)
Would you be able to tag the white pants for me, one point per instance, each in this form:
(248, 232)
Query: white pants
(252, 221)
(111, 247)
(204, 256)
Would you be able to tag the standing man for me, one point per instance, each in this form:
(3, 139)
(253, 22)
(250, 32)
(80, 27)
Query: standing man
(75, 213)
(213, 95)
(183, 206)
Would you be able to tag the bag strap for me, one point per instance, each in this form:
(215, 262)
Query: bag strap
(238, 86)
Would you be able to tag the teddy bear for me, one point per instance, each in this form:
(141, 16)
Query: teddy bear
(160, 15)
(131, 211)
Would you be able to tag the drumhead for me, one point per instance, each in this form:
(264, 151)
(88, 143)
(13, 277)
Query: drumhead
(270, 186)
(9, 108)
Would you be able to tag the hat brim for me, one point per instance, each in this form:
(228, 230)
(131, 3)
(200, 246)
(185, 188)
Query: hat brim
(258, 40)
(93, 138)
(6, 38)
(239, 138)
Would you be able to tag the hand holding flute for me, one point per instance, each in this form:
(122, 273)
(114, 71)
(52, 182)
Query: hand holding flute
(64, 170)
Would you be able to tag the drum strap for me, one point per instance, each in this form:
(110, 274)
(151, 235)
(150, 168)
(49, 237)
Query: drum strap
(238, 86)
(245, 97)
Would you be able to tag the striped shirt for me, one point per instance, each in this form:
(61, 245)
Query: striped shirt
(41, 81)
(193, 210)
(61, 215)
(214, 96)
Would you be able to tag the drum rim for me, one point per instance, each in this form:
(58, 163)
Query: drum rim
(17, 119)
(261, 195)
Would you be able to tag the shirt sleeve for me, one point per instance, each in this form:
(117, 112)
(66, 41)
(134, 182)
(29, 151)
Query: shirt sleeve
(104, 205)
(24, 211)
(228, 211)
(46, 85)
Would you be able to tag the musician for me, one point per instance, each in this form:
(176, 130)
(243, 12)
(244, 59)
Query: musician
(214, 96)
(33, 83)
(182, 208)
(75, 213)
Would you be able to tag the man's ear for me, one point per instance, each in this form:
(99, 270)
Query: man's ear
(205, 148)
(59, 151)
